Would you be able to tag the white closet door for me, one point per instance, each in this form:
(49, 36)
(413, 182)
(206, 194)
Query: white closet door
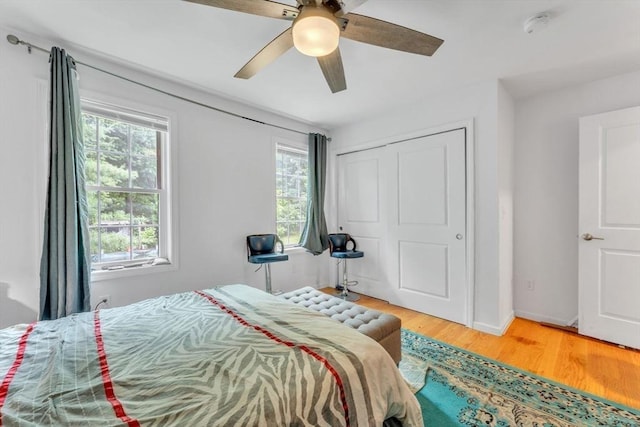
(361, 213)
(427, 225)
(405, 204)
(609, 244)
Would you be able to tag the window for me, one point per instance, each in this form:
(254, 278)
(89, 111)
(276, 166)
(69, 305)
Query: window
(291, 192)
(125, 181)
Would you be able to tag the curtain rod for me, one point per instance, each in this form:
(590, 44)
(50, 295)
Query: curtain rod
(16, 41)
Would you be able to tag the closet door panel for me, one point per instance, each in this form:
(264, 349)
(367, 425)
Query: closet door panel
(362, 213)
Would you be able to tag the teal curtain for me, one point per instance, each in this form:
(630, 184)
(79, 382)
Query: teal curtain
(65, 265)
(314, 237)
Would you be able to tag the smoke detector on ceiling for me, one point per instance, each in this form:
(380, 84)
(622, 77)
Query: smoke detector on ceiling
(536, 22)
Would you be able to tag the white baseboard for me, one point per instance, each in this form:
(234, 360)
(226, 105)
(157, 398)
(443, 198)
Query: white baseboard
(494, 330)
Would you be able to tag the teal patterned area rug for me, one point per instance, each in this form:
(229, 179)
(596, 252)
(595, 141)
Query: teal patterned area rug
(465, 389)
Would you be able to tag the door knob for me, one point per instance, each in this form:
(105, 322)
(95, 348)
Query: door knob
(588, 237)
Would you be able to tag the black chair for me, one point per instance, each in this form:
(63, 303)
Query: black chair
(338, 248)
(261, 249)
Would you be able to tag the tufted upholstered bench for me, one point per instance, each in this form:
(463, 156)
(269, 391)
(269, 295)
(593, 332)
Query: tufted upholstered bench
(382, 327)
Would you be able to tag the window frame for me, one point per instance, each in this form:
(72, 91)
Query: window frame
(302, 146)
(167, 218)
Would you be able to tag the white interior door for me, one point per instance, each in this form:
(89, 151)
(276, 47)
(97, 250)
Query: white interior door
(427, 225)
(361, 213)
(609, 227)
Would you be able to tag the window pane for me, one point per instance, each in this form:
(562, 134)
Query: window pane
(279, 185)
(91, 167)
(302, 209)
(281, 231)
(114, 244)
(114, 136)
(144, 141)
(94, 238)
(144, 172)
(114, 212)
(144, 208)
(89, 124)
(92, 202)
(294, 186)
(294, 233)
(291, 193)
(145, 242)
(114, 170)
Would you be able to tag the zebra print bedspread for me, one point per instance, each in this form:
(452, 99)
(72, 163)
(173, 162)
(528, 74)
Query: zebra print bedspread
(221, 357)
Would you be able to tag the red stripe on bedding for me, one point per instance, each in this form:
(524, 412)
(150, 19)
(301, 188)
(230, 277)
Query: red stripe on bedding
(22, 347)
(270, 335)
(106, 377)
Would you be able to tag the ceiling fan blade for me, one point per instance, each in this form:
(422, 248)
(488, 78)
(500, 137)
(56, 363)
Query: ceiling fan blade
(385, 34)
(266, 8)
(333, 70)
(267, 55)
(347, 6)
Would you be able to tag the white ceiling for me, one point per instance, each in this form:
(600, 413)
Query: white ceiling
(484, 39)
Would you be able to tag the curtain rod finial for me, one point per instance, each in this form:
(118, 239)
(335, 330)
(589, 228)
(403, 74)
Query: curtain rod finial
(13, 39)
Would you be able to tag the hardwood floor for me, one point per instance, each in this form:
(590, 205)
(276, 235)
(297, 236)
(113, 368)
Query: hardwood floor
(594, 366)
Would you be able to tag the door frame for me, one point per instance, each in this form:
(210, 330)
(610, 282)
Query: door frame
(468, 126)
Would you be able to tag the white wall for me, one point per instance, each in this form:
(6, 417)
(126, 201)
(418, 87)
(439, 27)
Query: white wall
(506, 142)
(480, 103)
(546, 196)
(224, 187)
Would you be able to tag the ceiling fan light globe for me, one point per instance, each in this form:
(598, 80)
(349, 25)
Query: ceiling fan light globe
(315, 32)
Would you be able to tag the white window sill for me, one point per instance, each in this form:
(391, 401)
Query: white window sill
(293, 250)
(100, 275)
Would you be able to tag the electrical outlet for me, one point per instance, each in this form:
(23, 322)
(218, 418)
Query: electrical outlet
(531, 285)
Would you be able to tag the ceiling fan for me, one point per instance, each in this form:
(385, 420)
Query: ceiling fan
(316, 30)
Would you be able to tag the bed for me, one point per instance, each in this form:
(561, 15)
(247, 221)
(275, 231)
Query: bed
(228, 356)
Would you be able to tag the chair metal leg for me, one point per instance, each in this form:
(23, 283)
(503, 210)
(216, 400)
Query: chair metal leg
(344, 294)
(267, 277)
